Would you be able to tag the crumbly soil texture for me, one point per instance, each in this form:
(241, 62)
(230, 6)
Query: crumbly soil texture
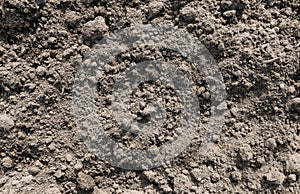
(256, 45)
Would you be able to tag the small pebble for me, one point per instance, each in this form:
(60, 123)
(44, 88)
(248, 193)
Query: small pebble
(275, 176)
(58, 174)
(69, 157)
(229, 13)
(150, 175)
(294, 105)
(71, 19)
(85, 182)
(197, 174)
(41, 70)
(292, 178)
(3, 180)
(236, 176)
(6, 122)
(246, 153)
(293, 164)
(78, 166)
(155, 8)
(291, 90)
(52, 40)
(271, 143)
(94, 30)
(188, 14)
(27, 179)
(182, 183)
(53, 190)
(247, 53)
(7, 162)
(33, 170)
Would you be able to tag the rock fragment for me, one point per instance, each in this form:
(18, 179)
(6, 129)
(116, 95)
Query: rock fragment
(182, 183)
(33, 170)
(69, 157)
(271, 143)
(58, 174)
(292, 178)
(100, 191)
(229, 13)
(150, 175)
(6, 122)
(293, 164)
(188, 14)
(246, 153)
(274, 176)
(85, 182)
(94, 30)
(235, 176)
(41, 70)
(53, 190)
(3, 180)
(7, 162)
(197, 174)
(155, 8)
(72, 19)
(294, 105)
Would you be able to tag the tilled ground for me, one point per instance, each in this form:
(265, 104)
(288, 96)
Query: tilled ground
(256, 46)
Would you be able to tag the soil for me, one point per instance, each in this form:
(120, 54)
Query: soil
(257, 49)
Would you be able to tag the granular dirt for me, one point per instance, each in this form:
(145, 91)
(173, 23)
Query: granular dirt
(256, 46)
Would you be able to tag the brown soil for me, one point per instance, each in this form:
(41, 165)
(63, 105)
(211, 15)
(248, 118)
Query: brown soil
(256, 46)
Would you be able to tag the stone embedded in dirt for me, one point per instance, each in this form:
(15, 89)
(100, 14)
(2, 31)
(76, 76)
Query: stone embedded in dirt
(291, 89)
(247, 53)
(41, 70)
(78, 166)
(7, 162)
(150, 175)
(188, 14)
(15, 183)
(182, 183)
(33, 170)
(85, 181)
(275, 176)
(226, 4)
(229, 13)
(100, 191)
(235, 176)
(132, 192)
(94, 30)
(3, 180)
(155, 8)
(271, 143)
(292, 178)
(38, 164)
(197, 174)
(52, 40)
(166, 188)
(6, 122)
(72, 19)
(58, 174)
(214, 178)
(246, 153)
(53, 190)
(69, 157)
(294, 105)
(26, 179)
(293, 164)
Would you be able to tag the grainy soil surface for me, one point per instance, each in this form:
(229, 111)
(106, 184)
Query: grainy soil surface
(255, 44)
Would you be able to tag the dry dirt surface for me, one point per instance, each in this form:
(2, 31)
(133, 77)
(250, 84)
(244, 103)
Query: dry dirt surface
(255, 44)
